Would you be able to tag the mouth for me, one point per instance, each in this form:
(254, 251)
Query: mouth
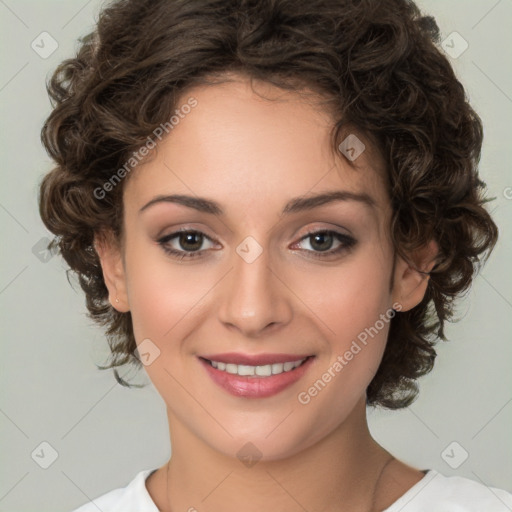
(266, 370)
(232, 373)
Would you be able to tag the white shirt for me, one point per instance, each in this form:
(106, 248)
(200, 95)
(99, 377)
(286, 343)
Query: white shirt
(433, 493)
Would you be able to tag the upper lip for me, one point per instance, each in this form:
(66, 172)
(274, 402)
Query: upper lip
(255, 359)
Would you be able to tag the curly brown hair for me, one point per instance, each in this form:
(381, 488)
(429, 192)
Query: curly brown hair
(378, 65)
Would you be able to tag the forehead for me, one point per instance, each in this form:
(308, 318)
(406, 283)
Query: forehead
(245, 144)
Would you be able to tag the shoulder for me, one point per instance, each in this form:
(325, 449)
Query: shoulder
(452, 494)
(134, 497)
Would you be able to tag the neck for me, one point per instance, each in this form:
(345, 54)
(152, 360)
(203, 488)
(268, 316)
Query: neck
(337, 473)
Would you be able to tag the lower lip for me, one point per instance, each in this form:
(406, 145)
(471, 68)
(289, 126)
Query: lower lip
(256, 387)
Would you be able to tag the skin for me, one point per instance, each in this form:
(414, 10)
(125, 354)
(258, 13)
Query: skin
(252, 155)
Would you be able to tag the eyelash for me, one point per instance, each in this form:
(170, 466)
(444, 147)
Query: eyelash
(347, 242)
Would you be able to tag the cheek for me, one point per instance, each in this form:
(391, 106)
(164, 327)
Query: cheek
(161, 293)
(350, 302)
(349, 297)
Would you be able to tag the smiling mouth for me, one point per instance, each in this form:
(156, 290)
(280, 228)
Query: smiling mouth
(266, 370)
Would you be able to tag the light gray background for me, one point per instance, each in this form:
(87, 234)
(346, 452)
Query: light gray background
(103, 433)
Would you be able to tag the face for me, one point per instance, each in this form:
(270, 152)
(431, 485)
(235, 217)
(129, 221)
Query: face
(265, 274)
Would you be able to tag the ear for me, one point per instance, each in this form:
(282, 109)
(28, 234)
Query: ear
(409, 285)
(112, 265)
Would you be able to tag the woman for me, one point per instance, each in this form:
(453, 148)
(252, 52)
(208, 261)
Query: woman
(271, 206)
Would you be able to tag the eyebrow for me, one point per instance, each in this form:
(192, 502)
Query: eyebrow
(295, 205)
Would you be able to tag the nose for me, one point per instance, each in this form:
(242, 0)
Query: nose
(254, 297)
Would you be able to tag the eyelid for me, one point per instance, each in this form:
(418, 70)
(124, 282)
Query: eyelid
(326, 227)
(177, 232)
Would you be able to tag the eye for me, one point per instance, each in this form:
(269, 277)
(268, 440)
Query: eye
(322, 241)
(190, 240)
(187, 244)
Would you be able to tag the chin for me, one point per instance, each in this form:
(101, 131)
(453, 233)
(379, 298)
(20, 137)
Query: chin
(267, 444)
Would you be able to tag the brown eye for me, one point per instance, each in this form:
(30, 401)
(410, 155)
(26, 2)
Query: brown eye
(322, 241)
(184, 243)
(191, 241)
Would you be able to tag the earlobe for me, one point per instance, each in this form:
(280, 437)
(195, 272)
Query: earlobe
(109, 253)
(411, 278)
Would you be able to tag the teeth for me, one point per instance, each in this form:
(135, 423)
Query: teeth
(262, 371)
